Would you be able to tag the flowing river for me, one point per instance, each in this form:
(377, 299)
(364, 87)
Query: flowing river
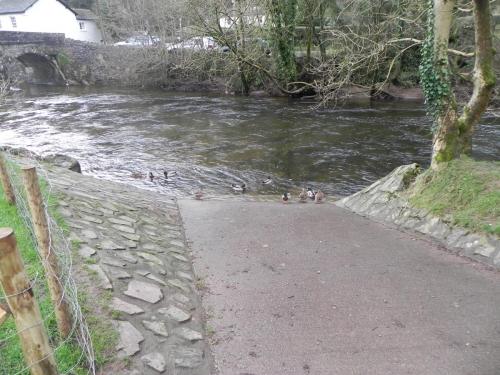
(213, 141)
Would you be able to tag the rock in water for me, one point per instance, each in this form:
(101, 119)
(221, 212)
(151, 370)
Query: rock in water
(64, 161)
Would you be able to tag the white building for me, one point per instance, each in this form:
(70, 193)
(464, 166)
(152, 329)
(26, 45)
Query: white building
(253, 16)
(49, 16)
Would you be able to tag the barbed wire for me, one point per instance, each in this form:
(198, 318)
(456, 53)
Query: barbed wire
(61, 247)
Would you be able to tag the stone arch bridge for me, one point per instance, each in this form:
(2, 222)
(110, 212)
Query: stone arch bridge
(49, 58)
(37, 56)
(45, 58)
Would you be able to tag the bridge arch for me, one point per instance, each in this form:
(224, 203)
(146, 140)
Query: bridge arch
(42, 69)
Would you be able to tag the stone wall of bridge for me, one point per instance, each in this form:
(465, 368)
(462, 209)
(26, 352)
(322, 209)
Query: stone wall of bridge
(53, 59)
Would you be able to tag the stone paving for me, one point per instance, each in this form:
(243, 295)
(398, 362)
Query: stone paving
(133, 243)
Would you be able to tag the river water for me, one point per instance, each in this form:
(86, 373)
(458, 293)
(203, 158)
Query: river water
(213, 141)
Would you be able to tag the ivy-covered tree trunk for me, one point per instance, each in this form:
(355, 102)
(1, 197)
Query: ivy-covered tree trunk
(453, 133)
(445, 144)
(484, 75)
(241, 45)
(309, 18)
(322, 47)
(283, 18)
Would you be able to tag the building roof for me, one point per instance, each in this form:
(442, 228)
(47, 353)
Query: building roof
(15, 6)
(84, 14)
(21, 6)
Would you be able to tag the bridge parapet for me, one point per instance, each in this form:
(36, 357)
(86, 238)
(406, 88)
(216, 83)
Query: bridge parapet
(9, 38)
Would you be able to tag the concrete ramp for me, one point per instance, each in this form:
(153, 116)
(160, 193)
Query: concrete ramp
(312, 289)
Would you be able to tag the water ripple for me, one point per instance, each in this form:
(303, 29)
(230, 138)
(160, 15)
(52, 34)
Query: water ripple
(213, 141)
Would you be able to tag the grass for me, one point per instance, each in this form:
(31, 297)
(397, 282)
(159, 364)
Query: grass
(11, 357)
(465, 191)
(67, 354)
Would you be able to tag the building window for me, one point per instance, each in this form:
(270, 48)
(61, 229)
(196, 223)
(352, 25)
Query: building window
(14, 22)
(82, 25)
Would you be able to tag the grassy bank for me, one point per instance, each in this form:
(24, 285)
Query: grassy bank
(466, 191)
(11, 357)
(67, 354)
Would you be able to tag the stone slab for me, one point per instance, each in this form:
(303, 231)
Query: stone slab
(124, 228)
(188, 358)
(156, 361)
(86, 251)
(188, 334)
(104, 282)
(119, 222)
(110, 245)
(150, 257)
(129, 338)
(144, 291)
(159, 328)
(122, 306)
(175, 313)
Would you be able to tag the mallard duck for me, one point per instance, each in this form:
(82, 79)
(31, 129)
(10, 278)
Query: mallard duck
(303, 196)
(267, 181)
(169, 174)
(239, 188)
(198, 195)
(319, 197)
(137, 175)
(151, 176)
(285, 197)
(310, 193)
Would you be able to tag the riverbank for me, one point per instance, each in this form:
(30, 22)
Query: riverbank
(70, 353)
(133, 269)
(11, 357)
(465, 192)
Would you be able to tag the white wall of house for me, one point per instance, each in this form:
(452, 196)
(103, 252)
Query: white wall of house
(50, 16)
(88, 31)
(253, 20)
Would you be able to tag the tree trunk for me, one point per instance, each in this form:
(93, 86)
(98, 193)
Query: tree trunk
(483, 77)
(241, 45)
(445, 145)
(453, 135)
(322, 47)
(309, 37)
(309, 29)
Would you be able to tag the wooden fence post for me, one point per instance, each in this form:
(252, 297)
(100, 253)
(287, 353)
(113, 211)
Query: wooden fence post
(56, 289)
(4, 313)
(24, 307)
(7, 186)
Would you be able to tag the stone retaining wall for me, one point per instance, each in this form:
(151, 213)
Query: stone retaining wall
(18, 37)
(383, 202)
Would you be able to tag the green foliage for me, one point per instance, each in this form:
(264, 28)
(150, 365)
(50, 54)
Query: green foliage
(103, 335)
(466, 191)
(62, 59)
(67, 353)
(435, 75)
(282, 34)
(11, 357)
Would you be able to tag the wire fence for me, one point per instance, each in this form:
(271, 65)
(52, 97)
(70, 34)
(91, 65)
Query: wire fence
(74, 353)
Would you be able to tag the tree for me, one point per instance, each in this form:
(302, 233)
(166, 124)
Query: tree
(282, 15)
(312, 17)
(366, 42)
(236, 26)
(452, 131)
